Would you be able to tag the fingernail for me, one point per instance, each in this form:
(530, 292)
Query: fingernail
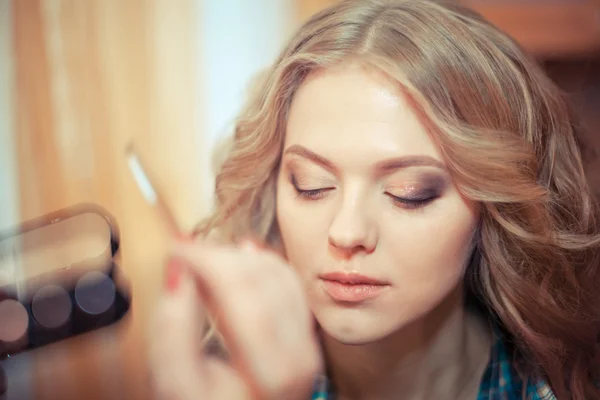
(184, 238)
(181, 242)
(173, 276)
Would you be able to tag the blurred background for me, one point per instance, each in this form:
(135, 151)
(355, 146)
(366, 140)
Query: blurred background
(80, 79)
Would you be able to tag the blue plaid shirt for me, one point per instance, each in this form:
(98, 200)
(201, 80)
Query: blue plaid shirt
(500, 381)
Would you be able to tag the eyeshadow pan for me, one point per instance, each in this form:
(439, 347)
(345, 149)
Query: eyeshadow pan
(51, 306)
(95, 293)
(15, 321)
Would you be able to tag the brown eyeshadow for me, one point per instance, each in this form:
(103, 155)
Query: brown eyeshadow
(421, 185)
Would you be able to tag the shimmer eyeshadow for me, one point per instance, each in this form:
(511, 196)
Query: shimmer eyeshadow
(95, 293)
(421, 186)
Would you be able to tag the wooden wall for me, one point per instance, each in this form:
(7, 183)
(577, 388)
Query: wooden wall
(91, 76)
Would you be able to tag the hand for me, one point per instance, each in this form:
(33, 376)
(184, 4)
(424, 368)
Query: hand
(263, 316)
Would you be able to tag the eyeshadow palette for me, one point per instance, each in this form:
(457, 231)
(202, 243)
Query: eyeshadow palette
(59, 277)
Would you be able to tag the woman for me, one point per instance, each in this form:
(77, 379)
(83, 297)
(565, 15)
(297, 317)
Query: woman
(417, 182)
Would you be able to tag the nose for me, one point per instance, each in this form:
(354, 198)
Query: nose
(352, 229)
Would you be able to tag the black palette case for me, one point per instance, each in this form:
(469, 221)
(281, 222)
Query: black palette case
(60, 277)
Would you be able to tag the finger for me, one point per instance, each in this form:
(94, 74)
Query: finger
(227, 273)
(260, 303)
(175, 339)
(215, 267)
(252, 244)
(230, 289)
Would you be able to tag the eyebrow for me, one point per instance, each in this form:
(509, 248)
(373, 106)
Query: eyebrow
(383, 167)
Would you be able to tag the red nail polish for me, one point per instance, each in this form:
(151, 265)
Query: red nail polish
(174, 273)
(184, 238)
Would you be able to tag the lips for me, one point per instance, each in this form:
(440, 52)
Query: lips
(352, 288)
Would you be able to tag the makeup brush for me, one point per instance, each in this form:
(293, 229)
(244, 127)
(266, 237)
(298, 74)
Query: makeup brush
(149, 192)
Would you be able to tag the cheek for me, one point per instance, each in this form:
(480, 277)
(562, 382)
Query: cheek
(430, 249)
(303, 228)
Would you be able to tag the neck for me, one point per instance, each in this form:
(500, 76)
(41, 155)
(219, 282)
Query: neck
(442, 355)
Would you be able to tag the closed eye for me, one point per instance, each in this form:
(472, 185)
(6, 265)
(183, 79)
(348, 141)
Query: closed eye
(411, 203)
(311, 194)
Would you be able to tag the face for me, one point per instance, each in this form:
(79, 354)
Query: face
(368, 214)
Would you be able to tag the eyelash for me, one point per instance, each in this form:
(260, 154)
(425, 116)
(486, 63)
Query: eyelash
(411, 204)
(312, 194)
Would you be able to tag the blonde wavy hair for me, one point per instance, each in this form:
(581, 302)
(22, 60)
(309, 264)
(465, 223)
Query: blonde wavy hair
(510, 142)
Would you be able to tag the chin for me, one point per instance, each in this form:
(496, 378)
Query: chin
(357, 327)
(355, 338)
